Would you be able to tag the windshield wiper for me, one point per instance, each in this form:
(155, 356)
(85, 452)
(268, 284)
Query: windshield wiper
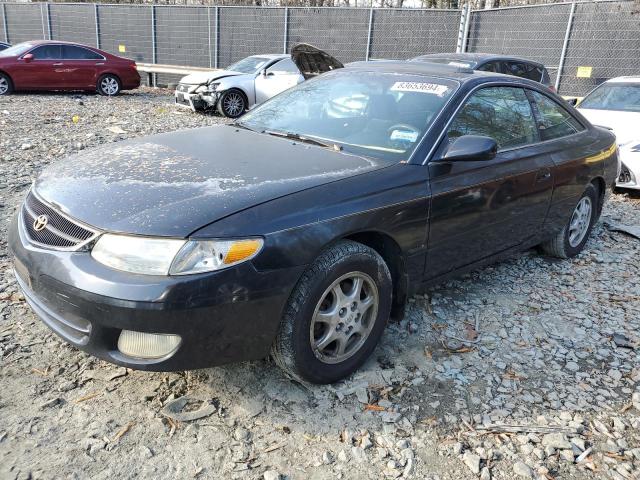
(302, 138)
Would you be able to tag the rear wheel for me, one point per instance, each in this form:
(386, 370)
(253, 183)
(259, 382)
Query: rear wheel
(573, 237)
(232, 104)
(6, 85)
(109, 85)
(335, 315)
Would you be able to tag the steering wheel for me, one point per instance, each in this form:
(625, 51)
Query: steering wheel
(405, 127)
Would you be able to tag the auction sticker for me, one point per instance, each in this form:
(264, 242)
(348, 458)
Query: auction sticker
(422, 87)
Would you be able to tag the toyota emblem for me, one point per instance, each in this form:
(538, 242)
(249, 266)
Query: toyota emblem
(40, 222)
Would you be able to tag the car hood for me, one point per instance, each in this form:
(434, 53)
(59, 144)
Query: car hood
(175, 183)
(623, 124)
(203, 78)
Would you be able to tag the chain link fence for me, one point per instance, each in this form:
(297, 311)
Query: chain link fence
(602, 37)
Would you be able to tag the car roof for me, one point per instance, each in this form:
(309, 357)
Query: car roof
(478, 57)
(273, 56)
(625, 79)
(454, 72)
(56, 42)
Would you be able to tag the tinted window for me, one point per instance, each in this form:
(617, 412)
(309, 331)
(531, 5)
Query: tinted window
(555, 121)
(382, 115)
(614, 96)
(491, 67)
(47, 52)
(70, 52)
(523, 70)
(503, 113)
(284, 66)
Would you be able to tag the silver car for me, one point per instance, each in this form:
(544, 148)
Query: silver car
(251, 81)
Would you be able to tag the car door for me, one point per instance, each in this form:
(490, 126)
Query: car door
(481, 208)
(277, 78)
(80, 66)
(41, 69)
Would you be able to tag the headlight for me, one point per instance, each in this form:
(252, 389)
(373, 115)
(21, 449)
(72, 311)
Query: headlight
(195, 88)
(167, 256)
(214, 86)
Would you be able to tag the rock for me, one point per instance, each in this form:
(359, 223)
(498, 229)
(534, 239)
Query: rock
(26, 146)
(572, 366)
(241, 434)
(342, 456)
(485, 474)
(327, 458)
(522, 470)
(615, 375)
(472, 461)
(271, 475)
(556, 440)
(567, 455)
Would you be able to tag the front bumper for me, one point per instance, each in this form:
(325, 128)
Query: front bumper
(222, 317)
(195, 101)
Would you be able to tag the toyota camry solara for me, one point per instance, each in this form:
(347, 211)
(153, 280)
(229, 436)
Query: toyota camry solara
(300, 229)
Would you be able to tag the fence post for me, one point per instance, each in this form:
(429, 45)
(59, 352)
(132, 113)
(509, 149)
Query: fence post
(216, 50)
(286, 30)
(461, 28)
(43, 21)
(209, 35)
(467, 25)
(48, 8)
(564, 45)
(4, 23)
(367, 54)
(97, 19)
(154, 44)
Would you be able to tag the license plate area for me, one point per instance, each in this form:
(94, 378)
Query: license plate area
(22, 272)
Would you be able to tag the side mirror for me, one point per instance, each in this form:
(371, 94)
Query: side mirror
(471, 148)
(28, 57)
(573, 101)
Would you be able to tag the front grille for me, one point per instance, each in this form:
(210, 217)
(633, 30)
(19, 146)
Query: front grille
(60, 232)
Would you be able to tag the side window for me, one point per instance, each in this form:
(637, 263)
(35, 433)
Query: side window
(284, 66)
(503, 113)
(515, 68)
(47, 52)
(555, 121)
(71, 52)
(491, 67)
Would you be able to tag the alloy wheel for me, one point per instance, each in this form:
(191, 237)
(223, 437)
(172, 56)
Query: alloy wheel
(344, 317)
(4, 85)
(109, 85)
(580, 221)
(233, 104)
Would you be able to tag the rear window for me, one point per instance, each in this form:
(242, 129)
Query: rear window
(524, 70)
(71, 52)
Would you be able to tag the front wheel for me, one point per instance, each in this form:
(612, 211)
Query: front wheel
(571, 240)
(6, 86)
(109, 85)
(335, 315)
(232, 104)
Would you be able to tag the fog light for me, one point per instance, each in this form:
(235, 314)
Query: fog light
(147, 345)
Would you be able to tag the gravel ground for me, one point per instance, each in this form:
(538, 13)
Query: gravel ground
(512, 371)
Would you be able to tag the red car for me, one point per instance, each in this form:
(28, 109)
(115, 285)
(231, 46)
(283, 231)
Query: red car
(53, 65)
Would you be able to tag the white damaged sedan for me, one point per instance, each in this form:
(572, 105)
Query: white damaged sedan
(251, 81)
(615, 104)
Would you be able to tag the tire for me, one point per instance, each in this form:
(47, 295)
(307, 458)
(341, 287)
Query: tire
(232, 104)
(565, 244)
(311, 304)
(109, 85)
(6, 85)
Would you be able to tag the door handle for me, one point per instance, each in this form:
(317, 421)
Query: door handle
(543, 175)
(101, 63)
(58, 64)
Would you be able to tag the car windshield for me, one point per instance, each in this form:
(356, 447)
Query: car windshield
(16, 50)
(614, 96)
(382, 115)
(248, 65)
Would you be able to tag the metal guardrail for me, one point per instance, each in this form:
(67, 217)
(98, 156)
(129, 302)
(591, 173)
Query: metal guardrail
(153, 69)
